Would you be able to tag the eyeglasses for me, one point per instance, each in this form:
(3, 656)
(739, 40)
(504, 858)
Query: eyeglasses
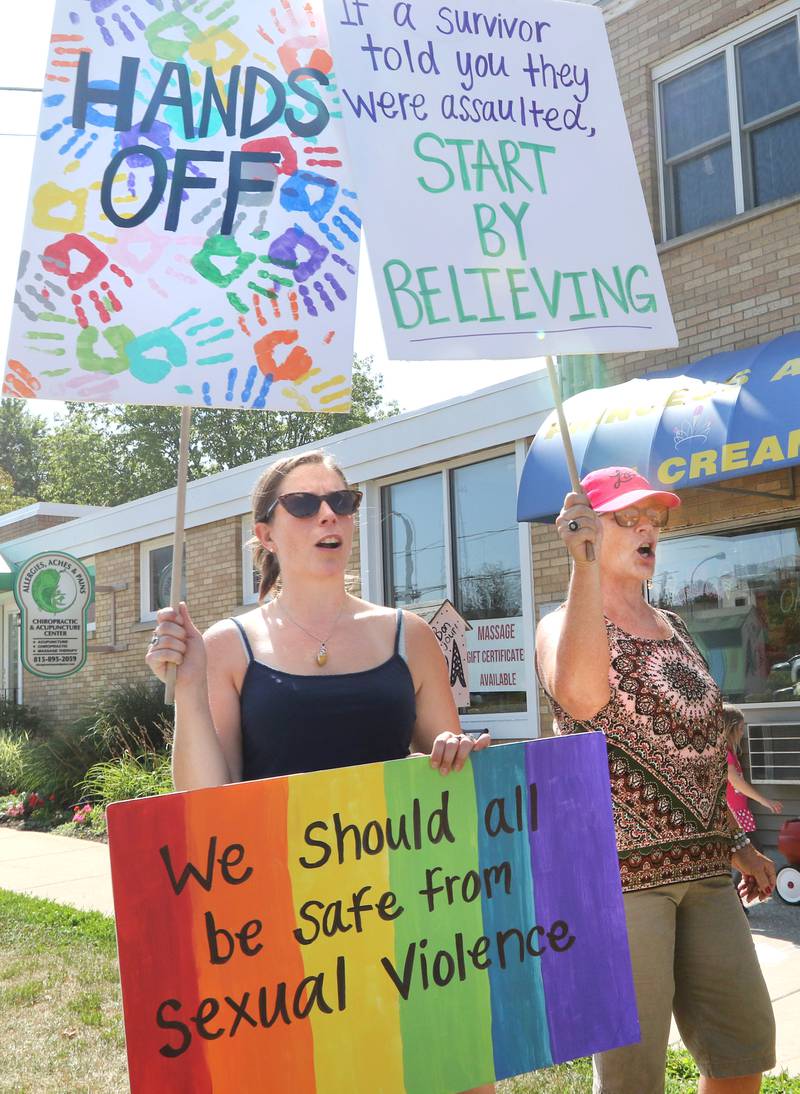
(627, 518)
(302, 504)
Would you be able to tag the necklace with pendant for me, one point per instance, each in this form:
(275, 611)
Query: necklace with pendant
(321, 656)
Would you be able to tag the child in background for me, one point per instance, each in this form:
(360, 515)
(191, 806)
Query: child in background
(739, 789)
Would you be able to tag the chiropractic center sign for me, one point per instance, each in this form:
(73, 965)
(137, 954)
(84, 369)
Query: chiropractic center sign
(53, 591)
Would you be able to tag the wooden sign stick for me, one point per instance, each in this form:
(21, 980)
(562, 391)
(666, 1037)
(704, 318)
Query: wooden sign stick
(572, 467)
(177, 543)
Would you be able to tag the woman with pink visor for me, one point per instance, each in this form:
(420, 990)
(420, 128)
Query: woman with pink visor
(610, 662)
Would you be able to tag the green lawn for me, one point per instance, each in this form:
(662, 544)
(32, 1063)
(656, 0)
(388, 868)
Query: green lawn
(60, 1005)
(61, 1012)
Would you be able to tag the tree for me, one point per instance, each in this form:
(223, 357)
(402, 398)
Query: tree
(106, 454)
(22, 437)
(9, 501)
(80, 462)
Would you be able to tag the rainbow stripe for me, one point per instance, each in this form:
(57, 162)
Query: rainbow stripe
(417, 1000)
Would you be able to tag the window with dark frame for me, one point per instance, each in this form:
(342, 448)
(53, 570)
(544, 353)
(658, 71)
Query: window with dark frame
(484, 545)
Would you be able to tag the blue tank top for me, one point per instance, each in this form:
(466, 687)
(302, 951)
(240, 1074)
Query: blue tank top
(293, 723)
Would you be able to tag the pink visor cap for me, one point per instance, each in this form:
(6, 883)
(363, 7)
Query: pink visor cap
(613, 488)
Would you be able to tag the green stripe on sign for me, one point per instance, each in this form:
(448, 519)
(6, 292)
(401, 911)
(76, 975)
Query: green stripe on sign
(446, 1026)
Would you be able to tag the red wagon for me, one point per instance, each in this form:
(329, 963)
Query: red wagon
(788, 883)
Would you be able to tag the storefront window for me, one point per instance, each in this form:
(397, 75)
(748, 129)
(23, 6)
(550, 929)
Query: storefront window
(488, 590)
(739, 594)
(485, 565)
(414, 552)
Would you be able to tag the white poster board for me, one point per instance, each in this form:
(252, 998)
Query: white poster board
(191, 236)
(504, 212)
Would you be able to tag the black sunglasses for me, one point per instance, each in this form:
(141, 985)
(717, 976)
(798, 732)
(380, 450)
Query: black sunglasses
(302, 504)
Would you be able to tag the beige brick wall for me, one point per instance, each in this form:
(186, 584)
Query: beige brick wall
(28, 526)
(730, 286)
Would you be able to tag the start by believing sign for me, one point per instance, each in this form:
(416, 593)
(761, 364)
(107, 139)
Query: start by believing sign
(499, 144)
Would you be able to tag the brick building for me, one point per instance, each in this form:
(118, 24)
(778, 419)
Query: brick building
(712, 95)
(438, 521)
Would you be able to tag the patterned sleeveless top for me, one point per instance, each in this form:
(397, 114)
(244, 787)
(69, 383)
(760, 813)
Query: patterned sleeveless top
(666, 757)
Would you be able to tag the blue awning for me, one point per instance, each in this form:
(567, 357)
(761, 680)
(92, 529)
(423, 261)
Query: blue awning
(726, 416)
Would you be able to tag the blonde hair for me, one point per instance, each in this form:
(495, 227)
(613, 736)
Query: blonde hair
(265, 494)
(733, 724)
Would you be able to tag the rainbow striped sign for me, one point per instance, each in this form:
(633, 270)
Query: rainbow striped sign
(377, 929)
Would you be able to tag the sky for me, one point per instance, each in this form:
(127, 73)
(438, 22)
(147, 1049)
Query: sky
(22, 61)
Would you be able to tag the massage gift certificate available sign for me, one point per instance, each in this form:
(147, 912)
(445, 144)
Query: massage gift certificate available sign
(499, 188)
(377, 928)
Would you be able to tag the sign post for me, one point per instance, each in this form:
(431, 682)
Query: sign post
(53, 591)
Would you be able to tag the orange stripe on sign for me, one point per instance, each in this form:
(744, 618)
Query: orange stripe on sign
(244, 949)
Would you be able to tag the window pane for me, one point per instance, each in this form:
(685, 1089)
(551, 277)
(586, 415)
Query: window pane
(776, 160)
(769, 71)
(703, 190)
(161, 577)
(487, 540)
(413, 522)
(694, 107)
(739, 594)
(488, 589)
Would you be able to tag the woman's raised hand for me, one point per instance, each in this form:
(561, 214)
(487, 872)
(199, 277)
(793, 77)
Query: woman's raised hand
(176, 641)
(450, 750)
(578, 524)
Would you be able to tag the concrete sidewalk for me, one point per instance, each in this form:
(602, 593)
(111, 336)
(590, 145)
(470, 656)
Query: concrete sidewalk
(71, 871)
(77, 872)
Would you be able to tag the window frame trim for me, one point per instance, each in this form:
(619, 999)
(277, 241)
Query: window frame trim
(249, 597)
(515, 725)
(723, 43)
(146, 615)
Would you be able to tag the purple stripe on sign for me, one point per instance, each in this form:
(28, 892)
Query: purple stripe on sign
(591, 1005)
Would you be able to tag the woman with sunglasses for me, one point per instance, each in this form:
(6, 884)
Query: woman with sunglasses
(611, 662)
(313, 678)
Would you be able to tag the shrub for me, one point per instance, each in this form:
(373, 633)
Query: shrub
(12, 760)
(18, 720)
(57, 764)
(128, 777)
(130, 720)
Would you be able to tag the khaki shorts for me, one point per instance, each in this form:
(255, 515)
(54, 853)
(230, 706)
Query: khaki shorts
(693, 956)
